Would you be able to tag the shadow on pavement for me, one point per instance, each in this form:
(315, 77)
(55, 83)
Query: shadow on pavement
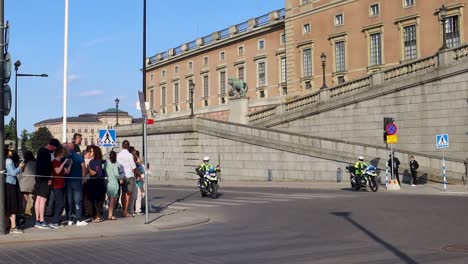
(401, 255)
(161, 208)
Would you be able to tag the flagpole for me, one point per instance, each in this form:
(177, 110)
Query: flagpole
(65, 74)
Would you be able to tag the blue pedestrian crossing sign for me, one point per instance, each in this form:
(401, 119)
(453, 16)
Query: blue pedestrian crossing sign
(442, 141)
(107, 137)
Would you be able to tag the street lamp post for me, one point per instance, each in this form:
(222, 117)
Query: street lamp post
(443, 19)
(17, 65)
(117, 101)
(191, 89)
(323, 59)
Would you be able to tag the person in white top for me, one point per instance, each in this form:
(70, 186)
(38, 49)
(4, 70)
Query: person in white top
(125, 158)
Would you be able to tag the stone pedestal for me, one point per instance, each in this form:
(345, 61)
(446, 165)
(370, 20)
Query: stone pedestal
(239, 110)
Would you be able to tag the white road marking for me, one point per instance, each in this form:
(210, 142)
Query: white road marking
(249, 201)
(219, 202)
(266, 199)
(196, 204)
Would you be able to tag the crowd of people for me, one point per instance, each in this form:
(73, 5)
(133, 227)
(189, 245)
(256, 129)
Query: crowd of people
(81, 183)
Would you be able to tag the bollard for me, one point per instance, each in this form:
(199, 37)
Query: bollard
(270, 175)
(339, 175)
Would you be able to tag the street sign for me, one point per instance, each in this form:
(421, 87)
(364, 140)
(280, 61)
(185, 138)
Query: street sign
(107, 137)
(392, 139)
(442, 141)
(391, 129)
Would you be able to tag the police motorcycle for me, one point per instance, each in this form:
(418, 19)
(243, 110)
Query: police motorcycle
(368, 178)
(208, 184)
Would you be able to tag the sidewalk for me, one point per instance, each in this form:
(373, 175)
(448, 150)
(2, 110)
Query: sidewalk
(422, 189)
(165, 220)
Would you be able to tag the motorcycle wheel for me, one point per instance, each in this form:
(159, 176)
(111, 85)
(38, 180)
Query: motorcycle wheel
(373, 184)
(214, 191)
(203, 193)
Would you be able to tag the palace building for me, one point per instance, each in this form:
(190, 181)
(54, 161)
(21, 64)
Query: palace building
(88, 125)
(306, 46)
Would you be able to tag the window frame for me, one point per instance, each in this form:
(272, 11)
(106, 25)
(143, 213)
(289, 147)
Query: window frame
(371, 11)
(403, 23)
(261, 44)
(339, 22)
(306, 29)
(259, 83)
(405, 5)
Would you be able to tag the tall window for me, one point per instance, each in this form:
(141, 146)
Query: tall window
(339, 20)
(283, 69)
(205, 61)
(241, 51)
(190, 66)
(205, 86)
(176, 69)
(409, 42)
(452, 31)
(176, 93)
(374, 10)
(340, 56)
(222, 82)
(307, 62)
(261, 44)
(261, 73)
(163, 96)
(409, 3)
(221, 56)
(283, 39)
(306, 29)
(240, 73)
(375, 49)
(151, 99)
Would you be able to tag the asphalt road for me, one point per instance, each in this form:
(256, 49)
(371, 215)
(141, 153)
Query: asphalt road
(281, 226)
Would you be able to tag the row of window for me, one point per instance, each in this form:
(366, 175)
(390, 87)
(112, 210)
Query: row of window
(222, 56)
(374, 10)
(406, 3)
(261, 83)
(409, 46)
(79, 130)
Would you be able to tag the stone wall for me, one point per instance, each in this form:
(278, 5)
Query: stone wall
(426, 98)
(248, 153)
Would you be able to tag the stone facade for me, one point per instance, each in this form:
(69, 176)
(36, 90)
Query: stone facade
(88, 125)
(386, 34)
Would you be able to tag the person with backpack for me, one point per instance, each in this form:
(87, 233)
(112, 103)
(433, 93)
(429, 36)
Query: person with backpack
(396, 165)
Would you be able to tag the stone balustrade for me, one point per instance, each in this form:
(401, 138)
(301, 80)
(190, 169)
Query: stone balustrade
(406, 70)
(244, 27)
(260, 115)
(302, 102)
(460, 52)
(411, 68)
(350, 86)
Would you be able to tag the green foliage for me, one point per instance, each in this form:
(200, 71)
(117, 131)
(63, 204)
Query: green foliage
(25, 140)
(10, 131)
(40, 139)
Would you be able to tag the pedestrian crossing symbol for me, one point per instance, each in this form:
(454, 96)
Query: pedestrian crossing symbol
(107, 138)
(442, 141)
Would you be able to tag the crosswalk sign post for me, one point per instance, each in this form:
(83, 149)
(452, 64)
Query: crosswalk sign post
(442, 141)
(107, 137)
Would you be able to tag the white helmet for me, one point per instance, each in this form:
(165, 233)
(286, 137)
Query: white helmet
(206, 158)
(361, 158)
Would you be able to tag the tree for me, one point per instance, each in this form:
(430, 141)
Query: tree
(10, 131)
(25, 140)
(40, 139)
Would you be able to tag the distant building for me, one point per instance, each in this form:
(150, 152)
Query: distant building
(279, 54)
(86, 124)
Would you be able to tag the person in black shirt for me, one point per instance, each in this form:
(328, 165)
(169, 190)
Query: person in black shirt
(44, 180)
(414, 165)
(396, 165)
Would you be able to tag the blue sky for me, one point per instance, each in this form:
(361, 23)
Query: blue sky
(105, 48)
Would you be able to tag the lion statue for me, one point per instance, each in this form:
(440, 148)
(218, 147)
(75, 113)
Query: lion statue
(238, 87)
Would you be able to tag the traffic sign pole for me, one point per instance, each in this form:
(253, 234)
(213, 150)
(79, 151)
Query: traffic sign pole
(443, 170)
